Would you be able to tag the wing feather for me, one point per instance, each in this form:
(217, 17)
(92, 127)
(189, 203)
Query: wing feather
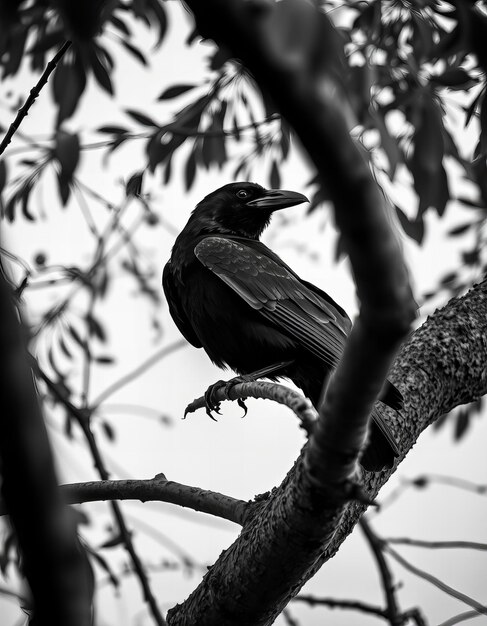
(268, 285)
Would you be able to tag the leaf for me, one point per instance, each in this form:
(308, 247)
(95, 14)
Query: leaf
(104, 360)
(412, 228)
(468, 202)
(175, 91)
(134, 51)
(461, 425)
(472, 257)
(285, 139)
(100, 69)
(66, 151)
(156, 8)
(68, 85)
(112, 130)
(459, 230)
(120, 24)
(63, 188)
(190, 171)
(275, 177)
(108, 430)
(221, 55)
(388, 142)
(3, 174)
(143, 119)
(134, 184)
(76, 336)
(454, 78)
(113, 542)
(95, 328)
(430, 180)
(24, 197)
(340, 252)
(15, 50)
(167, 171)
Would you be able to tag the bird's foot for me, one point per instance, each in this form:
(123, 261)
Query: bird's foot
(212, 404)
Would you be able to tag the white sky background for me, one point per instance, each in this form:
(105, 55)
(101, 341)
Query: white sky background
(237, 457)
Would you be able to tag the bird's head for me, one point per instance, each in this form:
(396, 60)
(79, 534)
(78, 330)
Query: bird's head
(242, 209)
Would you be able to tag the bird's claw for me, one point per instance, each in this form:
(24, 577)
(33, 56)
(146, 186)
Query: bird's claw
(242, 404)
(213, 405)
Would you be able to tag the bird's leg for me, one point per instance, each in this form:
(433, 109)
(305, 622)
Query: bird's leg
(212, 404)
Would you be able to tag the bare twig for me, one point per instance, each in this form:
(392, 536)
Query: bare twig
(480, 608)
(34, 92)
(471, 545)
(461, 617)
(334, 603)
(138, 371)
(124, 531)
(393, 613)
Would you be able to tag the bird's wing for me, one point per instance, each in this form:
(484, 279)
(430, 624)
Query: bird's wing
(175, 308)
(268, 285)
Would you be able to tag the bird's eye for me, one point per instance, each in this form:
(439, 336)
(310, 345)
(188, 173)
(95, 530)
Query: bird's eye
(242, 193)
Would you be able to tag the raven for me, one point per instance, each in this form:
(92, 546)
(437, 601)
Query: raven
(231, 295)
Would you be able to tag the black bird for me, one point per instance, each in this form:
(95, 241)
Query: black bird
(231, 295)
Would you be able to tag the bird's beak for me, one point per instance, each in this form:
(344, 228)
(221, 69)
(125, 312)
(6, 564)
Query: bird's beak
(277, 199)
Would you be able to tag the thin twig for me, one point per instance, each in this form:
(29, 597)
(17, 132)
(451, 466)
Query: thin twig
(480, 608)
(34, 92)
(461, 617)
(393, 613)
(473, 545)
(333, 603)
(138, 371)
(124, 531)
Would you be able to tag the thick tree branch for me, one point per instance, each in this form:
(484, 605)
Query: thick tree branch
(442, 365)
(53, 560)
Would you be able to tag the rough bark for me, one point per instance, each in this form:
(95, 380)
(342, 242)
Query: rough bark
(442, 365)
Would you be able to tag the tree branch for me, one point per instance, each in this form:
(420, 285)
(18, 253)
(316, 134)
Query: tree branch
(34, 92)
(480, 608)
(333, 603)
(442, 365)
(393, 614)
(260, 389)
(155, 489)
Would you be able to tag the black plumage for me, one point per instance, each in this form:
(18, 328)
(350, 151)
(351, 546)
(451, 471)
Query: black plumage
(231, 295)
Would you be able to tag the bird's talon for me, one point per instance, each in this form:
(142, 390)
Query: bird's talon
(210, 414)
(242, 404)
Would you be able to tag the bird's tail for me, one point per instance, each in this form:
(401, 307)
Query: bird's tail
(382, 448)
